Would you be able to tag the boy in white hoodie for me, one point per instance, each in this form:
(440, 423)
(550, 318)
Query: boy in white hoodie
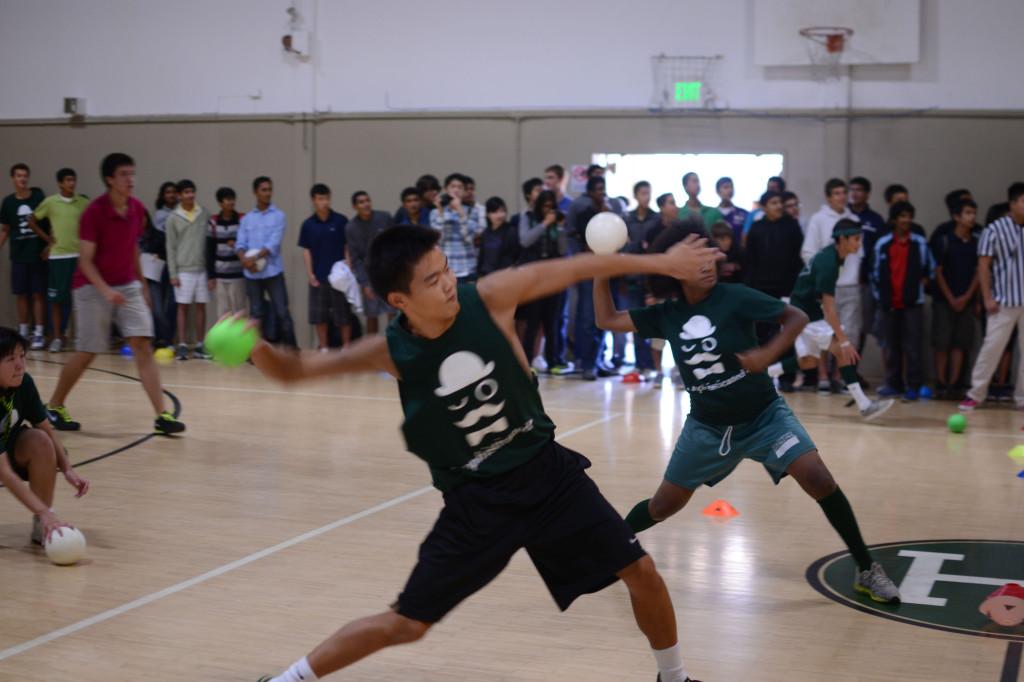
(817, 236)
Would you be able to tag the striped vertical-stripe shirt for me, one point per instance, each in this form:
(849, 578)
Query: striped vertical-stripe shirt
(1003, 241)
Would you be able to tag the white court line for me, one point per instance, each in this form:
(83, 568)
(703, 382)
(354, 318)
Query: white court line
(939, 429)
(282, 391)
(239, 563)
(853, 424)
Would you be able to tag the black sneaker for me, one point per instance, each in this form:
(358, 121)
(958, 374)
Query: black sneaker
(60, 419)
(589, 375)
(167, 425)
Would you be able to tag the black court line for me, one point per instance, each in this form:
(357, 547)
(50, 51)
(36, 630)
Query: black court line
(813, 578)
(139, 441)
(1011, 664)
(1012, 661)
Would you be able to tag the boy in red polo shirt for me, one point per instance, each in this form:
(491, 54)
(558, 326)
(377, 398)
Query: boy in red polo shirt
(108, 287)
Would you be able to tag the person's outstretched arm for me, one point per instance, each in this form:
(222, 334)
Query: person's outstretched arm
(757, 360)
(368, 354)
(606, 316)
(505, 290)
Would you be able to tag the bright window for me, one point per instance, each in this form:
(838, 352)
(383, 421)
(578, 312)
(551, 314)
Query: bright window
(749, 173)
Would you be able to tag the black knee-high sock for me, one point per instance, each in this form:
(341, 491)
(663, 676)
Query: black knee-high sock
(639, 517)
(840, 515)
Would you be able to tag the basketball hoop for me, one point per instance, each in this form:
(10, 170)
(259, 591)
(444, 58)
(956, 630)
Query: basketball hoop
(825, 46)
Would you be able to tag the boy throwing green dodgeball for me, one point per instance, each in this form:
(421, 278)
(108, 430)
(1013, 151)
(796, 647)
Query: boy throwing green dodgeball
(474, 414)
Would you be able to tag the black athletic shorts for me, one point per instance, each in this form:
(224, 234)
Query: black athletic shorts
(550, 507)
(28, 278)
(12, 443)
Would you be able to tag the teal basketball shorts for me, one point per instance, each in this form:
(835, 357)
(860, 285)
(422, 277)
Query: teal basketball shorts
(706, 454)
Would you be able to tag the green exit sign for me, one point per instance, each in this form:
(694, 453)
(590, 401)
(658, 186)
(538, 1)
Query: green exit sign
(688, 91)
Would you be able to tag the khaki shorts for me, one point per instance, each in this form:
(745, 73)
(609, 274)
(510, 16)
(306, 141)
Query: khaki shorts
(193, 288)
(93, 315)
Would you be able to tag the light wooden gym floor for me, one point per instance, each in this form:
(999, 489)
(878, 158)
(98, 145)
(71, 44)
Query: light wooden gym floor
(282, 514)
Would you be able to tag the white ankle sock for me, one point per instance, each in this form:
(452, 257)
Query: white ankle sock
(299, 672)
(23, 330)
(775, 371)
(670, 664)
(39, 330)
(863, 402)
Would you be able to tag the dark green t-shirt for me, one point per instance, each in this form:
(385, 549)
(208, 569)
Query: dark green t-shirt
(705, 339)
(17, 405)
(471, 409)
(818, 277)
(26, 246)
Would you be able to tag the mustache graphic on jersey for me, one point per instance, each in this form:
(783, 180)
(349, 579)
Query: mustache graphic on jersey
(702, 357)
(717, 368)
(482, 412)
(477, 437)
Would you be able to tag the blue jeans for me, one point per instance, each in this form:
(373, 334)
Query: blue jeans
(634, 298)
(165, 309)
(589, 339)
(274, 287)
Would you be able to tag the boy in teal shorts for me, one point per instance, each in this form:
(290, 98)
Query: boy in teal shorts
(736, 413)
(63, 210)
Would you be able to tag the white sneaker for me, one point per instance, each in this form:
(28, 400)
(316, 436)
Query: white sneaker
(38, 342)
(56, 345)
(540, 364)
(876, 408)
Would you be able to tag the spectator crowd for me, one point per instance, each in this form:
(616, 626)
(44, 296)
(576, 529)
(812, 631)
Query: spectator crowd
(971, 270)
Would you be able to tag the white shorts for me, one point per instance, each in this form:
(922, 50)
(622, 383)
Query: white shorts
(815, 339)
(192, 288)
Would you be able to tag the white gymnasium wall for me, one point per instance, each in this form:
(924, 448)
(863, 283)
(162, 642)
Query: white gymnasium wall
(151, 57)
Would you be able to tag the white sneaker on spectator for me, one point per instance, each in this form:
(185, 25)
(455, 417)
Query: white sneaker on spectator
(56, 345)
(38, 342)
(540, 364)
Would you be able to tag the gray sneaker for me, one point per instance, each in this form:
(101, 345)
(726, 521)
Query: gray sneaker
(876, 408)
(37, 531)
(876, 584)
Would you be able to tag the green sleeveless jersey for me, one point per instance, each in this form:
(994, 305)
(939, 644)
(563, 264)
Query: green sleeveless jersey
(471, 410)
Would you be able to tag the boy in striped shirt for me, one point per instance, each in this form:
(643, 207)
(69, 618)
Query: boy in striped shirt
(1001, 273)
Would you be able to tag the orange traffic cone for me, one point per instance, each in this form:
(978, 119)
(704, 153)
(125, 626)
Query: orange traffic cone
(721, 509)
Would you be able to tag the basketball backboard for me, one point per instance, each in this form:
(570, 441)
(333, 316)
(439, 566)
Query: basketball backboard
(884, 31)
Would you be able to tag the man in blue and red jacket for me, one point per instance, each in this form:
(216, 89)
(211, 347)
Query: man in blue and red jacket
(901, 267)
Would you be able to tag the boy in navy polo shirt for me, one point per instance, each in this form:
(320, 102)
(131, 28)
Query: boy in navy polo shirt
(956, 286)
(322, 239)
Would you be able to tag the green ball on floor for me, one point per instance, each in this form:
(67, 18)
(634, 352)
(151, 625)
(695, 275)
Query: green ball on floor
(229, 342)
(957, 423)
